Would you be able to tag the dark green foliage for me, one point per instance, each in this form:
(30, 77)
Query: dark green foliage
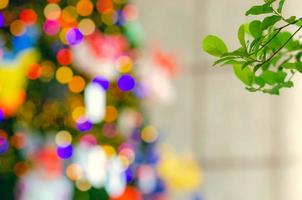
(269, 55)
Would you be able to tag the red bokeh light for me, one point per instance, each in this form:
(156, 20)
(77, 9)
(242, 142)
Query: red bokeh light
(65, 56)
(28, 16)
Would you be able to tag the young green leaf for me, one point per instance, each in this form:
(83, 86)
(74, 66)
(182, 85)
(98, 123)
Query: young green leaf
(270, 21)
(213, 45)
(259, 81)
(241, 36)
(245, 75)
(290, 65)
(297, 66)
(299, 23)
(256, 28)
(280, 76)
(224, 59)
(280, 7)
(292, 19)
(258, 10)
(269, 77)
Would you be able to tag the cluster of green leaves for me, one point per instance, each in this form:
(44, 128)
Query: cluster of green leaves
(268, 56)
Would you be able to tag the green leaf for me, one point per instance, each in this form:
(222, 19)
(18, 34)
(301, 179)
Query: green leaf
(238, 52)
(241, 36)
(224, 59)
(299, 23)
(246, 64)
(245, 75)
(259, 81)
(275, 90)
(297, 66)
(289, 65)
(291, 20)
(288, 84)
(272, 78)
(213, 45)
(269, 77)
(256, 28)
(279, 40)
(280, 76)
(258, 10)
(270, 21)
(280, 7)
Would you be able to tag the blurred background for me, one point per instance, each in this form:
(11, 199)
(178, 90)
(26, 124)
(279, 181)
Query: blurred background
(248, 144)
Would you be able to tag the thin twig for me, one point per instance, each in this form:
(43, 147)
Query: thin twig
(275, 53)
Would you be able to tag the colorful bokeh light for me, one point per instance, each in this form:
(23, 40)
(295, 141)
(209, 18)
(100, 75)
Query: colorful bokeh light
(1, 115)
(65, 152)
(2, 20)
(126, 83)
(28, 16)
(4, 145)
(102, 81)
(65, 56)
(51, 27)
(74, 36)
(83, 124)
(64, 75)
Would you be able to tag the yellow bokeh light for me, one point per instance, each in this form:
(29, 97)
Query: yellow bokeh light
(84, 7)
(74, 172)
(52, 11)
(109, 17)
(111, 114)
(109, 150)
(87, 26)
(77, 84)
(78, 112)
(63, 138)
(47, 71)
(149, 134)
(69, 14)
(83, 184)
(128, 153)
(125, 161)
(17, 28)
(64, 75)
(124, 64)
(62, 35)
(3, 4)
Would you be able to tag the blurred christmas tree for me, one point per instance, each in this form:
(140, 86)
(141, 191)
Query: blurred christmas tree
(73, 85)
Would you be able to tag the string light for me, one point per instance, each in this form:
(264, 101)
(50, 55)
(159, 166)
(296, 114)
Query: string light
(4, 4)
(84, 7)
(17, 28)
(77, 84)
(87, 26)
(74, 36)
(51, 27)
(64, 75)
(64, 57)
(2, 20)
(69, 14)
(63, 138)
(52, 11)
(126, 83)
(65, 152)
(28, 16)
(149, 134)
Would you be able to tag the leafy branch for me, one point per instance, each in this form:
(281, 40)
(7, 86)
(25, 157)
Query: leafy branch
(268, 57)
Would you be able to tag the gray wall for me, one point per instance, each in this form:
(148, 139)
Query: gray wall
(250, 145)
